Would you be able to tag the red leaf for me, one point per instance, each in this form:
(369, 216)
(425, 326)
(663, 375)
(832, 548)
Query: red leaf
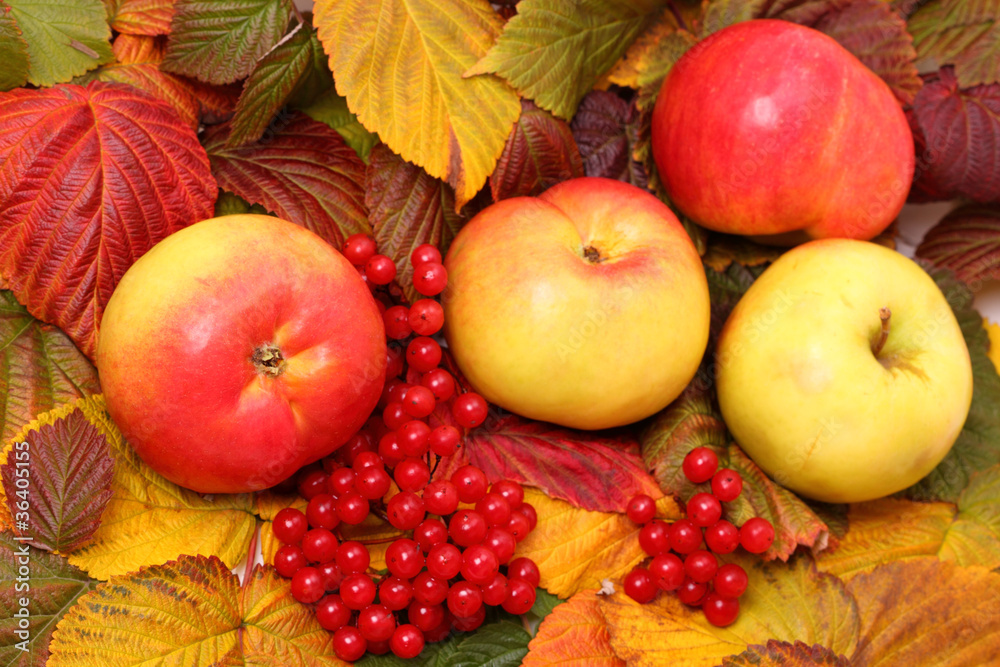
(90, 179)
(69, 468)
(967, 241)
(301, 170)
(539, 153)
(142, 17)
(958, 140)
(408, 207)
(592, 470)
(606, 129)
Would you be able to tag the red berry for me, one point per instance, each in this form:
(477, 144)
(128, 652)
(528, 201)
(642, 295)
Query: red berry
(289, 525)
(440, 497)
(502, 543)
(430, 278)
(524, 568)
(357, 590)
(494, 509)
(321, 512)
(700, 464)
(424, 253)
(423, 354)
(353, 557)
(479, 564)
(404, 558)
(444, 440)
(429, 589)
(307, 585)
(685, 537)
(467, 527)
(395, 415)
(441, 631)
(641, 509)
(419, 402)
(470, 482)
(352, 508)
(372, 483)
(691, 592)
(703, 509)
(519, 525)
(439, 381)
(757, 535)
(358, 444)
(331, 574)
(332, 613)
(730, 581)
(312, 484)
(470, 623)
(512, 492)
(289, 560)
(469, 409)
(528, 510)
(430, 532)
(376, 622)
(720, 611)
(349, 644)
(640, 586)
(389, 449)
(395, 359)
(413, 437)
(722, 537)
(520, 596)
(444, 560)
(319, 545)
(341, 481)
(727, 485)
(667, 571)
(495, 592)
(411, 474)
(407, 641)
(397, 322)
(405, 510)
(366, 459)
(426, 317)
(654, 538)
(425, 616)
(395, 390)
(380, 270)
(358, 248)
(464, 599)
(701, 565)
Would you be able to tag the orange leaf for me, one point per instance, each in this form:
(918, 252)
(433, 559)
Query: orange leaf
(785, 654)
(575, 634)
(141, 17)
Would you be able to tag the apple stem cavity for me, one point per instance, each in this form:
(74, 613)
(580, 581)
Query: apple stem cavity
(268, 360)
(593, 255)
(884, 314)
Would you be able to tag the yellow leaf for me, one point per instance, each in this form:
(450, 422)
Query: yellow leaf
(785, 601)
(575, 634)
(636, 60)
(149, 519)
(400, 65)
(919, 611)
(993, 329)
(576, 549)
(190, 612)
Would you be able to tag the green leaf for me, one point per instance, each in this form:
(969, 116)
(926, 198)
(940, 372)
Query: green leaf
(221, 41)
(65, 38)
(500, 644)
(232, 204)
(55, 587)
(40, 368)
(272, 82)
(13, 51)
(978, 445)
(545, 602)
(553, 51)
(331, 109)
(963, 33)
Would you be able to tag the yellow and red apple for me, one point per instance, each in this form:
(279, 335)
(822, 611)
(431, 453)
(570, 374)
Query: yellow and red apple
(773, 130)
(237, 350)
(586, 306)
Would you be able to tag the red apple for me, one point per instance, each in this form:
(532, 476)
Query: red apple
(769, 128)
(237, 350)
(586, 306)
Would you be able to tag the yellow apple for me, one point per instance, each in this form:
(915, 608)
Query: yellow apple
(843, 373)
(587, 306)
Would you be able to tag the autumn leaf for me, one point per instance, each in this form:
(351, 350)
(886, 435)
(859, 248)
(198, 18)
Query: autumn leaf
(148, 519)
(955, 131)
(967, 241)
(576, 549)
(13, 51)
(140, 17)
(643, 51)
(117, 171)
(272, 83)
(401, 69)
(191, 611)
(553, 51)
(922, 608)
(269, 503)
(573, 635)
(407, 207)
(40, 367)
(724, 249)
(539, 153)
(137, 63)
(55, 586)
(331, 109)
(786, 654)
(221, 41)
(64, 39)
(606, 130)
(67, 471)
(301, 170)
(963, 34)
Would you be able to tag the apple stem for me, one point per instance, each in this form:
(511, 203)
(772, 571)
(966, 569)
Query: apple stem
(884, 314)
(268, 360)
(593, 255)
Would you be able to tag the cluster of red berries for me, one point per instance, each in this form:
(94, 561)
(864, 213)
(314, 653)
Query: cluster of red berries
(680, 562)
(458, 559)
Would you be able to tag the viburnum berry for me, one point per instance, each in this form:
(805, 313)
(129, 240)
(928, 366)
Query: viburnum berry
(322, 512)
(397, 322)
(426, 317)
(373, 483)
(395, 390)
(319, 545)
(442, 630)
(479, 564)
(353, 557)
(720, 611)
(352, 508)
(357, 590)
(467, 527)
(430, 532)
(495, 509)
(407, 641)
(440, 497)
(349, 644)
(444, 440)
(757, 535)
(700, 464)
(701, 565)
(419, 402)
(685, 537)
(414, 437)
(511, 491)
(641, 509)
(730, 581)
(654, 538)
(425, 616)
(380, 270)
(289, 525)
(288, 560)
(470, 482)
(722, 537)
(703, 509)
(524, 568)
(470, 409)
(405, 510)
(312, 483)
(727, 485)
(341, 481)
(395, 359)
(692, 592)
(520, 596)
(356, 446)
(529, 512)
(495, 592)
(667, 571)
(395, 415)
(376, 622)
(332, 613)
(307, 585)
(639, 585)
(501, 542)
(411, 474)
(429, 589)
(464, 599)
(470, 623)
(444, 560)
(366, 459)
(389, 449)
(424, 253)
(430, 278)
(519, 525)
(439, 381)
(423, 354)
(404, 558)
(331, 575)
(358, 248)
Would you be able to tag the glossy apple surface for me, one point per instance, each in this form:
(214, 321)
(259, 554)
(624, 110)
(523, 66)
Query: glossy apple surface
(811, 396)
(773, 130)
(237, 350)
(586, 306)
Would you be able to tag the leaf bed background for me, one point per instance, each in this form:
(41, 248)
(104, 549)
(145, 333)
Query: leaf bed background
(122, 121)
